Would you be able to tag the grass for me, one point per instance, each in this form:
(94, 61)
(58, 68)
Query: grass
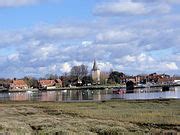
(111, 117)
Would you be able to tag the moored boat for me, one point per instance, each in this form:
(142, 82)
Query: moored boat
(119, 91)
(3, 90)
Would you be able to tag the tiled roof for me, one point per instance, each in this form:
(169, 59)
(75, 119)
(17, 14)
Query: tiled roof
(58, 81)
(176, 78)
(47, 82)
(19, 82)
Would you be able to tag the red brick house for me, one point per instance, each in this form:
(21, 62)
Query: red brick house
(50, 83)
(47, 83)
(176, 80)
(18, 84)
(165, 80)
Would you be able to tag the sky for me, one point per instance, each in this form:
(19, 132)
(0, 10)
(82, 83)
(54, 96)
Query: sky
(39, 37)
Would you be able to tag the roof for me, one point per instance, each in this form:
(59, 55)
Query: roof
(165, 79)
(47, 82)
(176, 78)
(58, 81)
(95, 67)
(19, 82)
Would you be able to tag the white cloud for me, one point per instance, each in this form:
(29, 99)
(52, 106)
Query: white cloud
(42, 70)
(87, 43)
(129, 46)
(10, 37)
(13, 57)
(171, 66)
(15, 3)
(61, 32)
(173, 1)
(114, 36)
(141, 57)
(105, 66)
(130, 7)
(158, 1)
(129, 58)
(65, 67)
(53, 68)
(116, 8)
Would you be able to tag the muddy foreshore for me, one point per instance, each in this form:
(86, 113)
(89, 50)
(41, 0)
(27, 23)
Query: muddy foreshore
(110, 117)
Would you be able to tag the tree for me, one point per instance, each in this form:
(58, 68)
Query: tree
(31, 82)
(65, 81)
(79, 71)
(5, 83)
(115, 77)
(87, 80)
(51, 76)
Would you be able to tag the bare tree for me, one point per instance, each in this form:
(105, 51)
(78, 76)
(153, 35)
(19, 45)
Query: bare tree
(79, 71)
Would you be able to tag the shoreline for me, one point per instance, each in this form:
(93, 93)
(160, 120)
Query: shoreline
(101, 87)
(91, 101)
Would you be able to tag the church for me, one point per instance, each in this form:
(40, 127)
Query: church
(96, 73)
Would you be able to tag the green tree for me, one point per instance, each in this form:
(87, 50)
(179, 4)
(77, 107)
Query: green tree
(31, 82)
(65, 81)
(115, 77)
(87, 80)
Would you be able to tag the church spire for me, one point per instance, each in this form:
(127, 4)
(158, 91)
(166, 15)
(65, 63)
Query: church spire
(95, 67)
(96, 73)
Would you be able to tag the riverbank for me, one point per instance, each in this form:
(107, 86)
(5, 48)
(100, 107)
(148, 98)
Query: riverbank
(111, 117)
(96, 87)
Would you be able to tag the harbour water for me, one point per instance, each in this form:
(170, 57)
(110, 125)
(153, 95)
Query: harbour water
(90, 95)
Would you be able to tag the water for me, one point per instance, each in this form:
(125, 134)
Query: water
(89, 95)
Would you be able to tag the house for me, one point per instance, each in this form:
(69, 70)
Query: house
(176, 80)
(134, 79)
(58, 82)
(165, 76)
(153, 78)
(50, 84)
(131, 78)
(18, 84)
(165, 80)
(47, 83)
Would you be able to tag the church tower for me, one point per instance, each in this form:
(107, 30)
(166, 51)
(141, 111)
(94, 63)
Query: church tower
(96, 73)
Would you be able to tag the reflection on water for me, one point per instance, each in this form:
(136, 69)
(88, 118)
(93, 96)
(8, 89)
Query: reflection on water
(153, 93)
(89, 95)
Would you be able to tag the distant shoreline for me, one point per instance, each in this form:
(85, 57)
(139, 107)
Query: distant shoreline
(98, 87)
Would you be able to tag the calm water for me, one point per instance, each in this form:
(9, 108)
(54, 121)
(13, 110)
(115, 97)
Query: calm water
(89, 95)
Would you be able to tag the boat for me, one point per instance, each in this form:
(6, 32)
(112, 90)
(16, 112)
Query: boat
(42, 88)
(119, 91)
(4, 90)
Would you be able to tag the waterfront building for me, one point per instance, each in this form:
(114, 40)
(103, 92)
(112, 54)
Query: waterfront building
(176, 80)
(18, 84)
(47, 83)
(96, 73)
(50, 84)
(165, 80)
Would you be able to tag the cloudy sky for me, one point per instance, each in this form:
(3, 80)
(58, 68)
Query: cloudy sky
(38, 37)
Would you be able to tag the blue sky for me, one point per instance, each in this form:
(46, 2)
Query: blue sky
(38, 37)
(46, 12)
